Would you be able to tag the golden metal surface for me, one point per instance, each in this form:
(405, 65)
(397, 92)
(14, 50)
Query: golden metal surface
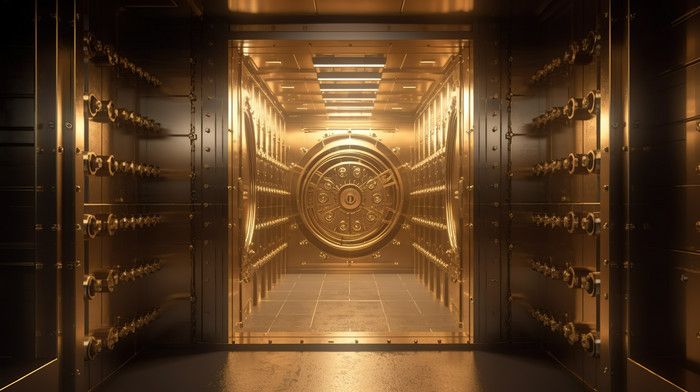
(361, 7)
(247, 181)
(350, 194)
(455, 181)
(412, 67)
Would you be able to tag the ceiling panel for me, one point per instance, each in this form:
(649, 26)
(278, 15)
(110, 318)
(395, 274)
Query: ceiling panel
(359, 7)
(353, 7)
(437, 6)
(272, 6)
(412, 67)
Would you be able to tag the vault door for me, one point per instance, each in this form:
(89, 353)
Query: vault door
(439, 181)
(350, 195)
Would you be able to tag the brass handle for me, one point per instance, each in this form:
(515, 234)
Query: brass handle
(591, 284)
(92, 225)
(590, 342)
(591, 161)
(591, 223)
(573, 276)
(92, 163)
(570, 222)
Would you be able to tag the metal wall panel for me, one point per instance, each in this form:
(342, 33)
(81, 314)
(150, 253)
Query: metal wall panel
(490, 269)
(663, 325)
(259, 178)
(210, 138)
(127, 257)
(28, 188)
(557, 292)
(440, 185)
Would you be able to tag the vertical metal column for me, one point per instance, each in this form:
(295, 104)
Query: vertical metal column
(211, 192)
(614, 147)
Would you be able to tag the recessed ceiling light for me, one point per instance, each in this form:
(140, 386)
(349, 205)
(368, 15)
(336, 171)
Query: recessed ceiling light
(349, 107)
(349, 76)
(302, 108)
(287, 87)
(273, 62)
(350, 114)
(344, 62)
(411, 87)
(397, 108)
(350, 87)
(427, 61)
(349, 99)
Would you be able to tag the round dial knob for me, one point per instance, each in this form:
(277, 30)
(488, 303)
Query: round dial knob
(350, 195)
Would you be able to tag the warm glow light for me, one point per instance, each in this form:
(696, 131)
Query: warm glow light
(287, 87)
(349, 130)
(349, 62)
(350, 114)
(409, 87)
(349, 76)
(350, 87)
(273, 62)
(427, 61)
(349, 107)
(397, 108)
(349, 99)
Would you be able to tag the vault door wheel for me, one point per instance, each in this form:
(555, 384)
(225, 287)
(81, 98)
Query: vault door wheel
(350, 195)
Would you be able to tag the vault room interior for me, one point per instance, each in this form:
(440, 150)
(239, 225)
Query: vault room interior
(514, 183)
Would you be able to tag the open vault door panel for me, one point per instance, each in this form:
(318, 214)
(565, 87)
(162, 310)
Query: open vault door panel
(350, 209)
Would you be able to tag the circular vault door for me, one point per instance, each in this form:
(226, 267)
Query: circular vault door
(350, 195)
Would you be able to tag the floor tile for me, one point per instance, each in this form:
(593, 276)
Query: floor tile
(351, 302)
(404, 307)
(268, 307)
(298, 308)
(291, 323)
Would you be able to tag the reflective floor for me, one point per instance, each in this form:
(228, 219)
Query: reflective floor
(322, 303)
(406, 371)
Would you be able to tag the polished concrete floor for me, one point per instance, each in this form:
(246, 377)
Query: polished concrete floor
(326, 303)
(445, 371)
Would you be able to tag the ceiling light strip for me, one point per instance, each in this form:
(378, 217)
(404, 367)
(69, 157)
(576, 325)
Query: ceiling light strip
(350, 114)
(349, 76)
(349, 62)
(350, 87)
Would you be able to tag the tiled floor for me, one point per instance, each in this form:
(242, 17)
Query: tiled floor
(400, 371)
(318, 303)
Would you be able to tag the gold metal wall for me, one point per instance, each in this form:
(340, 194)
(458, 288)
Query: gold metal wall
(440, 182)
(262, 187)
